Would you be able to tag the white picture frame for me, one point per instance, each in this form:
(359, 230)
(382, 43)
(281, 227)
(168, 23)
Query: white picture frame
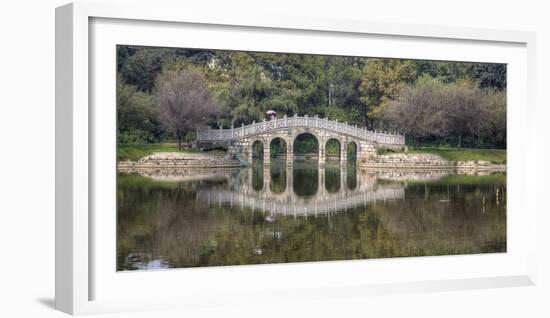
(84, 281)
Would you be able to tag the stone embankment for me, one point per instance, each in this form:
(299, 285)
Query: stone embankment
(196, 161)
(179, 160)
(427, 161)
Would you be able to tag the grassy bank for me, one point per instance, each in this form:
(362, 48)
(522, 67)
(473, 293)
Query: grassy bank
(135, 152)
(455, 154)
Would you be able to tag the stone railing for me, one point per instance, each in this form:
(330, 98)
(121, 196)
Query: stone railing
(299, 121)
(292, 207)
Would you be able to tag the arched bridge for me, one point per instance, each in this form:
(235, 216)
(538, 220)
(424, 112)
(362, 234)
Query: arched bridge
(287, 129)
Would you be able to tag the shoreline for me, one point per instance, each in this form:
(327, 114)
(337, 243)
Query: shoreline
(132, 165)
(184, 161)
(458, 167)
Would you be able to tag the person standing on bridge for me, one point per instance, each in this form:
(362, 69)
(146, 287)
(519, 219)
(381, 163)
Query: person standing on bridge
(271, 114)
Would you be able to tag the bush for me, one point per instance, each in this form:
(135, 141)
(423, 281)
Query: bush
(135, 136)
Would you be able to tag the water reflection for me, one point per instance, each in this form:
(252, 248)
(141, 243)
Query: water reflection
(304, 212)
(277, 175)
(332, 177)
(305, 178)
(351, 175)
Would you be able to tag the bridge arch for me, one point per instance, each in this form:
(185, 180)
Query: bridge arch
(352, 150)
(278, 147)
(333, 148)
(306, 143)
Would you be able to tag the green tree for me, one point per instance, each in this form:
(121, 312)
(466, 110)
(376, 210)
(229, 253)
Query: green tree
(142, 67)
(445, 71)
(495, 134)
(356, 90)
(490, 75)
(381, 82)
(137, 115)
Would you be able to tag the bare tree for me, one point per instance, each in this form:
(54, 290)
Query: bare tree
(418, 111)
(185, 102)
(466, 112)
(431, 108)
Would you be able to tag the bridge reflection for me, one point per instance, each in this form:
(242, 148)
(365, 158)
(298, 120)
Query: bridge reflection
(305, 188)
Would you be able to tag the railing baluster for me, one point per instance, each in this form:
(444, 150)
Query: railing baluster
(253, 128)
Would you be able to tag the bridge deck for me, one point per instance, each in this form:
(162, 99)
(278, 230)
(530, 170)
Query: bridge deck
(221, 135)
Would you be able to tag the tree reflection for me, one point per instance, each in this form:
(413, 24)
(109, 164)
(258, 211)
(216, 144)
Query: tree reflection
(257, 175)
(332, 177)
(278, 176)
(306, 178)
(169, 224)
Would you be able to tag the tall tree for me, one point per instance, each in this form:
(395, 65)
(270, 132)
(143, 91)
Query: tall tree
(381, 82)
(496, 107)
(466, 111)
(137, 117)
(185, 102)
(490, 75)
(418, 112)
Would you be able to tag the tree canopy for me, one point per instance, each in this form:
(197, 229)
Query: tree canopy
(433, 109)
(367, 92)
(185, 103)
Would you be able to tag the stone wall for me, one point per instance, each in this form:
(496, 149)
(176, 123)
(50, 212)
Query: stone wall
(366, 158)
(426, 161)
(172, 160)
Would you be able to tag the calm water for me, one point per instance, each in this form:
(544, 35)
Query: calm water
(303, 212)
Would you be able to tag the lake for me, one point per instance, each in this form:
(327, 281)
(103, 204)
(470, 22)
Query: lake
(302, 212)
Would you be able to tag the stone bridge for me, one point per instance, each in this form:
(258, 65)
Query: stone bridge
(240, 140)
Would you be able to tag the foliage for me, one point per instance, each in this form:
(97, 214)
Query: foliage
(352, 151)
(258, 149)
(490, 75)
(495, 134)
(351, 116)
(306, 144)
(431, 108)
(164, 220)
(332, 147)
(135, 152)
(185, 103)
(135, 136)
(356, 90)
(382, 81)
(137, 115)
(140, 66)
(277, 147)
